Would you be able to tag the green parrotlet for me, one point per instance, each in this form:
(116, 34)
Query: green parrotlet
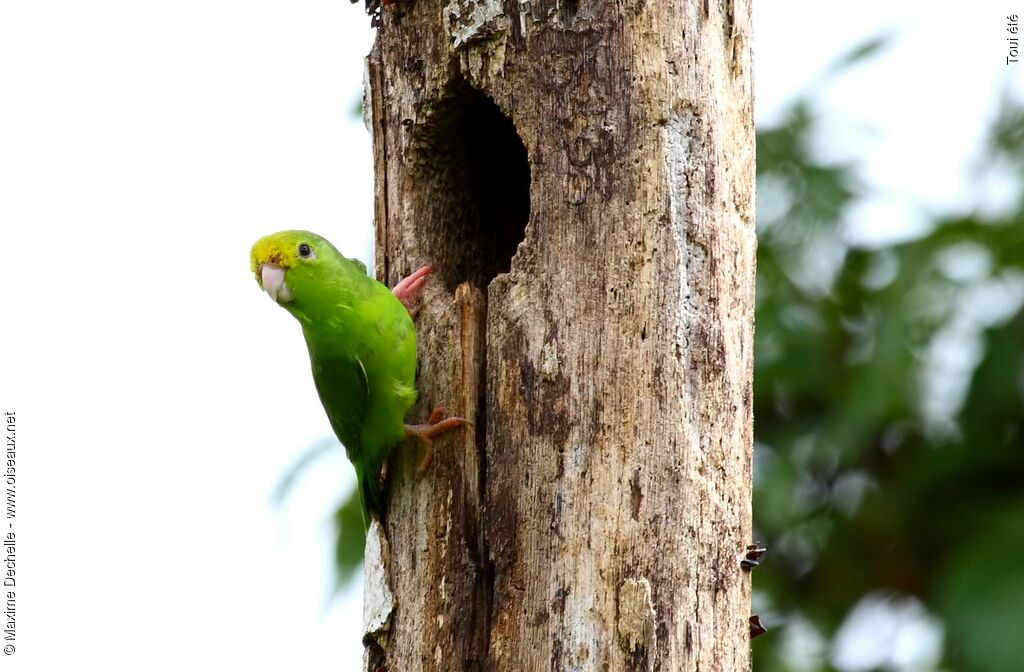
(362, 348)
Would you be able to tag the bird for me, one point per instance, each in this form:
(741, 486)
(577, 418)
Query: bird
(362, 349)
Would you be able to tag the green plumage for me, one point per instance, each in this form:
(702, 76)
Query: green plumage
(362, 347)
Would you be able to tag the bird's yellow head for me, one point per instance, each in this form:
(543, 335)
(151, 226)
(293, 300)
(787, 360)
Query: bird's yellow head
(284, 261)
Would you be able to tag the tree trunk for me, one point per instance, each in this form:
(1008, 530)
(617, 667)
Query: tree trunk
(581, 175)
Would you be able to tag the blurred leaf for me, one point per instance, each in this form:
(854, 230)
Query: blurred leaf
(981, 593)
(351, 538)
(304, 462)
(1007, 135)
(863, 51)
(356, 107)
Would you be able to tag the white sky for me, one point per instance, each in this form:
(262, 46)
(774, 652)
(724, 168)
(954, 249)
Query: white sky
(160, 395)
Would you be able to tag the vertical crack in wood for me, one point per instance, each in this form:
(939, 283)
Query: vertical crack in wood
(473, 338)
(375, 94)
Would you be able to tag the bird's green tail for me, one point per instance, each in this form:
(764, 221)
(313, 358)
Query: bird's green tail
(370, 495)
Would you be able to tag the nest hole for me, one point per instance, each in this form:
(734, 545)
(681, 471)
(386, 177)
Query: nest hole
(473, 187)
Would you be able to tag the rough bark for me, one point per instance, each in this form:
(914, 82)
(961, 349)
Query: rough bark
(593, 318)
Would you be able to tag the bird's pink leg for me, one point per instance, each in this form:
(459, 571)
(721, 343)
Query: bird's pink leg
(408, 290)
(434, 427)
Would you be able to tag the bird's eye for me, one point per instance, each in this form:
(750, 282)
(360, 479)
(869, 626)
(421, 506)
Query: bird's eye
(305, 251)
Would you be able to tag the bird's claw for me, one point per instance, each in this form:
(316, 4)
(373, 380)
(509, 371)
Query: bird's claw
(408, 289)
(435, 426)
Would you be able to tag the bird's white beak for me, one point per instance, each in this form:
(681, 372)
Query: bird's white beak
(272, 276)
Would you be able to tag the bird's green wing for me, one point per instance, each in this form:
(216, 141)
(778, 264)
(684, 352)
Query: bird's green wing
(344, 390)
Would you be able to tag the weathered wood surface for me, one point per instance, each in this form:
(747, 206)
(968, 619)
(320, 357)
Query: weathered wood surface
(594, 516)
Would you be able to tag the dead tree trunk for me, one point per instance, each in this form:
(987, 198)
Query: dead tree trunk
(581, 174)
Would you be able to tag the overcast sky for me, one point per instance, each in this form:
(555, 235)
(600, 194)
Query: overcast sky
(159, 395)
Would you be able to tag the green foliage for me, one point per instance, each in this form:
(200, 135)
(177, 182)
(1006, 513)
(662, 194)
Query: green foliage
(863, 482)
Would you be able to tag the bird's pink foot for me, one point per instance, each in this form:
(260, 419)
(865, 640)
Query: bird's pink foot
(408, 290)
(435, 426)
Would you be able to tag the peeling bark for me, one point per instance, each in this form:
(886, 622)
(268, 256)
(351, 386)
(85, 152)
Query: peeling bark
(581, 173)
